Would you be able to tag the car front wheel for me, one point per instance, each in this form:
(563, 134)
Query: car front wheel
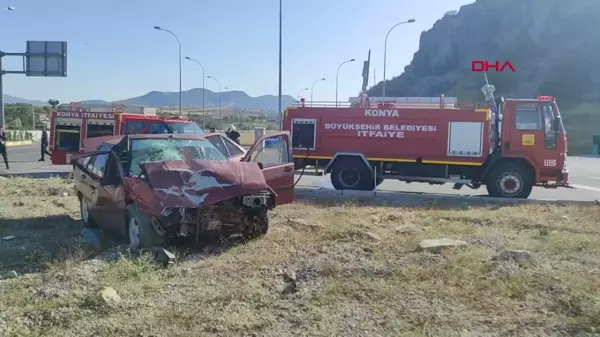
(140, 232)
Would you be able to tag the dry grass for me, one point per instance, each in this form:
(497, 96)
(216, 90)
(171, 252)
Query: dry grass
(358, 268)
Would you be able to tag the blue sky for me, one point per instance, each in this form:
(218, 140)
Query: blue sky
(114, 53)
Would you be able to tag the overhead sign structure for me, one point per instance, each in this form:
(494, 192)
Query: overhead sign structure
(41, 59)
(46, 58)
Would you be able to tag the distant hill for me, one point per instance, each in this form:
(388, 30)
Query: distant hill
(8, 99)
(192, 97)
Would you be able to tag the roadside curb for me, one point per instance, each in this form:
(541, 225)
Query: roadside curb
(19, 143)
(388, 198)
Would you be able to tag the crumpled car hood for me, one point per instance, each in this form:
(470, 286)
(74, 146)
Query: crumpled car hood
(194, 183)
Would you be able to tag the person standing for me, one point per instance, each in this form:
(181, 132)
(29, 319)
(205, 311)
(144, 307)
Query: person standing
(3, 146)
(44, 144)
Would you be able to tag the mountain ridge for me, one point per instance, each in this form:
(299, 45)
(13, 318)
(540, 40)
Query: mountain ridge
(191, 97)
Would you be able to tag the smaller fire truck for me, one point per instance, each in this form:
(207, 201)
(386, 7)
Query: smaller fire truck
(508, 145)
(71, 123)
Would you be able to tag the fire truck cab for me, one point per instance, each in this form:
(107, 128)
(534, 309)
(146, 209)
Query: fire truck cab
(509, 146)
(71, 123)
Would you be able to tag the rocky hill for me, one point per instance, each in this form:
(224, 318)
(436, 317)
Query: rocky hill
(552, 44)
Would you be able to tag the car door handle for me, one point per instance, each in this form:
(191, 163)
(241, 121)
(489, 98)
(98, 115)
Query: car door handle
(82, 176)
(288, 169)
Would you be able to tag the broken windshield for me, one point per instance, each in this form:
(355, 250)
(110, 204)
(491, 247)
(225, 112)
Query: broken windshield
(165, 149)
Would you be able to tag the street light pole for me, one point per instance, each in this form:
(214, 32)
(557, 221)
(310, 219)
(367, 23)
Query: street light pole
(220, 96)
(203, 90)
(299, 92)
(179, 44)
(312, 88)
(337, 78)
(279, 112)
(385, 50)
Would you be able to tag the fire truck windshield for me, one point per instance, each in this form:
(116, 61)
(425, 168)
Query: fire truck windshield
(179, 127)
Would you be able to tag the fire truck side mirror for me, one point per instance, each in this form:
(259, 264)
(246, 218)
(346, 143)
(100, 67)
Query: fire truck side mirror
(556, 124)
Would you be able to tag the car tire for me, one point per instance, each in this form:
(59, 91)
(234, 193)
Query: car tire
(84, 209)
(140, 232)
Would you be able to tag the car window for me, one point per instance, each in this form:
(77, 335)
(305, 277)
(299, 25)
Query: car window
(165, 149)
(272, 151)
(217, 141)
(83, 162)
(231, 147)
(104, 147)
(97, 165)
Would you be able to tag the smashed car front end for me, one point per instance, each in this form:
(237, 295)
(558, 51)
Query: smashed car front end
(203, 198)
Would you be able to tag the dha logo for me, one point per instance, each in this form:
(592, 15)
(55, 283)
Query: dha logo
(381, 113)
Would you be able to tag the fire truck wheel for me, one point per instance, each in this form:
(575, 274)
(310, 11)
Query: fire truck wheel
(84, 208)
(140, 231)
(509, 181)
(351, 174)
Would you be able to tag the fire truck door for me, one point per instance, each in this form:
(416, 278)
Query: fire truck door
(274, 154)
(532, 135)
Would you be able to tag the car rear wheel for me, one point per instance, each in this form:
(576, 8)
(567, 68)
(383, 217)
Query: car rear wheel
(140, 232)
(84, 208)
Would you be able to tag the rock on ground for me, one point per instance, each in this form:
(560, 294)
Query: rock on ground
(436, 245)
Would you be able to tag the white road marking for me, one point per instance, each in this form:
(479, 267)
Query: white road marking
(594, 178)
(583, 187)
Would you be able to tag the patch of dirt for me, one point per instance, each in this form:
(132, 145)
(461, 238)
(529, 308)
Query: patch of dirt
(339, 270)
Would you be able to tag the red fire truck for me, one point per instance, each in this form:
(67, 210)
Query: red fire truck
(508, 145)
(71, 123)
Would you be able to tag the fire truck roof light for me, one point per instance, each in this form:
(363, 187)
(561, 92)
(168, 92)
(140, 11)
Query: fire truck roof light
(544, 98)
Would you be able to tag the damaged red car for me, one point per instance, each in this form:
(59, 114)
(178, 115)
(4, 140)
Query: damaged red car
(152, 188)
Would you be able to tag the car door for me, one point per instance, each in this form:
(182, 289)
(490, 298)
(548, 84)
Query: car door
(110, 200)
(88, 173)
(273, 152)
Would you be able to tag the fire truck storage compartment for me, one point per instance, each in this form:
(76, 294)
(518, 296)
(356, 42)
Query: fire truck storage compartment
(67, 135)
(304, 133)
(99, 128)
(465, 139)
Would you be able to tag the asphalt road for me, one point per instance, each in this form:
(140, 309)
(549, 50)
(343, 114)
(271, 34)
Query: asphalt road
(584, 177)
